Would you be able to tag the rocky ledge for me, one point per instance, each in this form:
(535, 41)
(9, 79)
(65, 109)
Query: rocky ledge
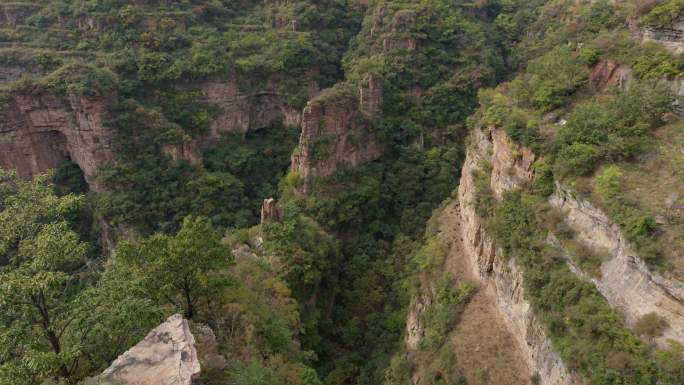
(167, 356)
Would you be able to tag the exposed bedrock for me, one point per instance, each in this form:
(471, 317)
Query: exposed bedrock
(336, 132)
(499, 275)
(37, 132)
(625, 281)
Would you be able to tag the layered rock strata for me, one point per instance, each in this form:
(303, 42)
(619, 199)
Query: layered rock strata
(626, 282)
(336, 133)
(37, 132)
(671, 37)
(499, 275)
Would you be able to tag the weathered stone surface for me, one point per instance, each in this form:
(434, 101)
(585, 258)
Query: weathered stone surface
(625, 281)
(609, 73)
(187, 151)
(671, 37)
(500, 276)
(39, 131)
(334, 135)
(370, 95)
(167, 356)
(415, 330)
(241, 110)
(270, 211)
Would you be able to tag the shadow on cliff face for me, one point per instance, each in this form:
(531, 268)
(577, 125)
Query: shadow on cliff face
(69, 178)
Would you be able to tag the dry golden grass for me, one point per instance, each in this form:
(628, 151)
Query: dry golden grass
(486, 351)
(657, 183)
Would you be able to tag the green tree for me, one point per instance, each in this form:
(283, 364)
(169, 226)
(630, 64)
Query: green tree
(40, 257)
(179, 269)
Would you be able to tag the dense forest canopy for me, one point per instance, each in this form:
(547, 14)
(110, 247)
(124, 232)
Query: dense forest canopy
(320, 294)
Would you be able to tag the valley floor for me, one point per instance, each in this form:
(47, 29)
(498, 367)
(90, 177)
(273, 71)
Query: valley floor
(486, 351)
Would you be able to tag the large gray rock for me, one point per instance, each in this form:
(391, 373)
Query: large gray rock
(167, 356)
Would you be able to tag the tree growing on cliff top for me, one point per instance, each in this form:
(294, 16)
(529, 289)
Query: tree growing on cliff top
(181, 269)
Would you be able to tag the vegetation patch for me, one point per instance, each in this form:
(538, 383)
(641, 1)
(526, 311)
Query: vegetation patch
(589, 335)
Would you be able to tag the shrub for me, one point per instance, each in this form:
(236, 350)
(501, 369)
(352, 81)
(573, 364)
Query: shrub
(639, 227)
(589, 335)
(600, 15)
(587, 124)
(544, 183)
(484, 196)
(432, 254)
(555, 76)
(445, 311)
(650, 325)
(589, 56)
(578, 159)
(665, 13)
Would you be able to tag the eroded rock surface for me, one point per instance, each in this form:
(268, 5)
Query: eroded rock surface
(245, 107)
(335, 134)
(500, 276)
(167, 356)
(270, 211)
(626, 282)
(37, 132)
(671, 37)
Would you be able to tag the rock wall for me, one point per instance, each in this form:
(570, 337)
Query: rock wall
(502, 279)
(39, 131)
(671, 37)
(625, 281)
(243, 107)
(335, 134)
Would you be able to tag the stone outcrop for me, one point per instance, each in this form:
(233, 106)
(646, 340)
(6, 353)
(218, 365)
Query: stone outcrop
(370, 95)
(415, 330)
(270, 211)
(626, 282)
(39, 131)
(187, 150)
(671, 37)
(500, 276)
(609, 73)
(334, 134)
(167, 356)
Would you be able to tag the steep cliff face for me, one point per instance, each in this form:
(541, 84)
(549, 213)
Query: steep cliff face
(625, 281)
(37, 132)
(500, 276)
(336, 133)
(243, 106)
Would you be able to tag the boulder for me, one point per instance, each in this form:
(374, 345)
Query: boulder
(167, 356)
